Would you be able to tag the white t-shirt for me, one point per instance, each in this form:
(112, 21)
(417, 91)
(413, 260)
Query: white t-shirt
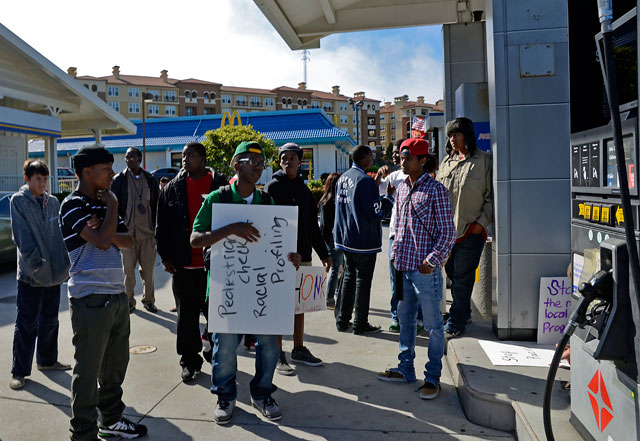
(395, 178)
(249, 199)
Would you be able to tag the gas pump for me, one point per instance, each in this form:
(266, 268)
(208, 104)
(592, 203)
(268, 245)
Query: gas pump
(604, 330)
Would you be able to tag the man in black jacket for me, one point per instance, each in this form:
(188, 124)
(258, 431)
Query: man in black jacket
(288, 188)
(178, 206)
(137, 192)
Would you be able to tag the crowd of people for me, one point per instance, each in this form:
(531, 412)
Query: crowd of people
(112, 224)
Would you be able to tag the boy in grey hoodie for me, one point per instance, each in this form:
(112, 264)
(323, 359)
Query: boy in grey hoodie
(43, 264)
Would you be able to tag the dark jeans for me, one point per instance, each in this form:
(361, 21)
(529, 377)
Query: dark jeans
(356, 288)
(37, 319)
(461, 270)
(101, 330)
(190, 291)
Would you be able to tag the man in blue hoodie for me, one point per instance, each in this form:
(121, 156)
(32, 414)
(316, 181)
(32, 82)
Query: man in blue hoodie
(359, 210)
(43, 264)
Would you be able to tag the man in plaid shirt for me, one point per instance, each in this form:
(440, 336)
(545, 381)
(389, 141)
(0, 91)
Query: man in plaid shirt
(425, 234)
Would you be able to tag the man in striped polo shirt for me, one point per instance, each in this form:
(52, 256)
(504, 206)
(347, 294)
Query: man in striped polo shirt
(94, 234)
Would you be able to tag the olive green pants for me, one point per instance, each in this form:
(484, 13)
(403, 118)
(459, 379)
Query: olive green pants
(100, 325)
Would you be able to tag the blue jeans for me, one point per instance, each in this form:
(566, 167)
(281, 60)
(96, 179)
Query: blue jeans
(337, 259)
(461, 270)
(224, 366)
(37, 319)
(392, 279)
(421, 291)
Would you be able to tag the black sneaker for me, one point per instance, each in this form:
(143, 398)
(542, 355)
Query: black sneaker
(341, 327)
(268, 407)
(189, 374)
(302, 355)
(366, 329)
(124, 429)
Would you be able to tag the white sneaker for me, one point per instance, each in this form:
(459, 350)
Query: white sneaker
(223, 411)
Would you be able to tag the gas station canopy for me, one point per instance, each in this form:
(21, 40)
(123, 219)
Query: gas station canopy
(302, 25)
(31, 83)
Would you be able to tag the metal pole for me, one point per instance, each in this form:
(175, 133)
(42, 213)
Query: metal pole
(144, 141)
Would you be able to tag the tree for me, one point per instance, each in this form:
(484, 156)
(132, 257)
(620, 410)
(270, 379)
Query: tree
(388, 153)
(221, 145)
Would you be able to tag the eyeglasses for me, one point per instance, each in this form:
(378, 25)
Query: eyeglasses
(253, 162)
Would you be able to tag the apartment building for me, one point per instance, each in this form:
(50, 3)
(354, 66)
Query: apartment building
(396, 119)
(198, 97)
(245, 99)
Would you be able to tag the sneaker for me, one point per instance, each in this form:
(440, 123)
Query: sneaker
(283, 367)
(367, 329)
(124, 429)
(452, 333)
(302, 355)
(331, 304)
(429, 391)
(392, 375)
(57, 366)
(268, 407)
(189, 374)
(223, 411)
(394, 327)
(151, 307)
(17, 382)
(341, 327)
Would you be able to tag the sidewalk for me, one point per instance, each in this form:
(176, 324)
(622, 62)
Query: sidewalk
(340, 400)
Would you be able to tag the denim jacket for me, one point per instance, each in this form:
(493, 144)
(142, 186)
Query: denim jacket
(43, 259)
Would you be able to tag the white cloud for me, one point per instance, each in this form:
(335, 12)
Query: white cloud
(227, 41)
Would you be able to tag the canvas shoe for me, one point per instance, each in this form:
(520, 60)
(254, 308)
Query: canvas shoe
(57, 366)
(429, 391)
(223, 411)
(268, 407)
(367, 329)
(189, 374)
(124, 429)
(392, 375)
(282, 367)
(302, 355)
(394, 327)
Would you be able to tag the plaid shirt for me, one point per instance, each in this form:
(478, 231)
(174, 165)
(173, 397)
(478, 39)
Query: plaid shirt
(424, 225)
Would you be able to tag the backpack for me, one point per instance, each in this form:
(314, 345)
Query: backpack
(226, 197)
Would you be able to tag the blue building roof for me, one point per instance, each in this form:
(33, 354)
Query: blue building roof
(306, 126)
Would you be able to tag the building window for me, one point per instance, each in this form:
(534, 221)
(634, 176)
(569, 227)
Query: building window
(170, 95)
(344, 119)
(382, 117)
(371, 121)
(343, 107)
(206, 96)
(269, 102)
(241, 100)
(170, 110)
(134, 107)
(154, 109)
(113, 91)
(155, 94)
(194, 94)
(256, 101)
(187, 94)
(226, 99)
(134, 92)
(355, 133)
(355, 119)
(115, 105)
(226, 110)
(393, 137)
(315, 104)
(372, 133)
(208, 111)
(212, 95)
(383, 128)
(94, 88)
(393, 116)
(345, 129)
(327, 107)
(393, 127)
(382, 138)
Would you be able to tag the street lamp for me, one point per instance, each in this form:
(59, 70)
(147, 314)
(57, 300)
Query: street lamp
(357, 107)
(146, 98)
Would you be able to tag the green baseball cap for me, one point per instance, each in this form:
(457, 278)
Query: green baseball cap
(249, 147)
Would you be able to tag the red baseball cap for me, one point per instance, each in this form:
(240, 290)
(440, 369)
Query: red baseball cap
(414, 147)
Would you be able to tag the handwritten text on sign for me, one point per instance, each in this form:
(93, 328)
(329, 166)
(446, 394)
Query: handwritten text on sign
(251, 283)
(554, 308)
(311, 284)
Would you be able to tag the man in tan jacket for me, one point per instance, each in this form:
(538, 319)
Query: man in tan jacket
(466, 172)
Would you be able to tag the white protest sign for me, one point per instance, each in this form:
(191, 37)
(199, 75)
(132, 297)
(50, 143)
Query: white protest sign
(252, 284)
(553, 308)
(518, 354)
(311, 284)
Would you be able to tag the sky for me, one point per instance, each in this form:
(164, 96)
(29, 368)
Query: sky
(225, 41)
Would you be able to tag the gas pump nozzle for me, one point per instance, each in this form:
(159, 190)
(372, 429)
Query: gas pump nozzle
(600, 287)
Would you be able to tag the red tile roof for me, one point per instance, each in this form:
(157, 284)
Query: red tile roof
(246, 90)
(139, 80)
(197, 81)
